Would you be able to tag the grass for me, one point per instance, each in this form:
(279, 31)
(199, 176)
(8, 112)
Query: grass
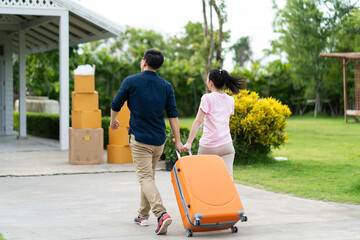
(186, 122)
(1, 237)
(323, 161)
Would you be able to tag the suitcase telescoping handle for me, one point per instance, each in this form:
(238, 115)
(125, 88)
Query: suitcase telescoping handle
(178, 154)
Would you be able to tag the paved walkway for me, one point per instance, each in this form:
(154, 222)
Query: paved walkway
(54, 201)
(40, 157)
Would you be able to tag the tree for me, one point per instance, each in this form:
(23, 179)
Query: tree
(242, 50)
(306, 27)
(184, 69)
(346, 39)
(209, 42)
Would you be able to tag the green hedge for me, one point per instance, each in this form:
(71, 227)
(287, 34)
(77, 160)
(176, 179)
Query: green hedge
(40, 124)
(105, 123)
(47, 125)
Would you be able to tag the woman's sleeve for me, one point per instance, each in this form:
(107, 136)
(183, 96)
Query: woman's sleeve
(205, 104)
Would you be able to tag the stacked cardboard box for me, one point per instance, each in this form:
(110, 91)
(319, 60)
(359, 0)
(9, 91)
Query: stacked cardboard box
(86, 134)
(118, 150)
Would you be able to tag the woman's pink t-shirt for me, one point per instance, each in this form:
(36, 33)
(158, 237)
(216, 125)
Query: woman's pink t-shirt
(217, 107)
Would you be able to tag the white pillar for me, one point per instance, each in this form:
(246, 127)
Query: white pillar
(22, 84)
(64, 80)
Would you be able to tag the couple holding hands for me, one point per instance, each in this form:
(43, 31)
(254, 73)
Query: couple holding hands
(147, 96)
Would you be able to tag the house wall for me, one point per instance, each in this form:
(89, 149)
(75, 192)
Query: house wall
(7, 88)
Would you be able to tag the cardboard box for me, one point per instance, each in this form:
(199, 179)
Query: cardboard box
(119, 154)
(85, 101)
(119, 136)
(86, 146)
(84, 83)
(86, 119)
(124, 116)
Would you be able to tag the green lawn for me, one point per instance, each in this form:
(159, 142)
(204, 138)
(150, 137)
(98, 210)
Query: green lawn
(323, 161)
(1, 237)
(185, 122)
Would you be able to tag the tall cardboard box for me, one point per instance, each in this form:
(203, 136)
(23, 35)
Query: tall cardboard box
(85, 101)
(86, 146)
(119, 154)
(124, 116)
(86, 119)
(84, 83)
(119, 136)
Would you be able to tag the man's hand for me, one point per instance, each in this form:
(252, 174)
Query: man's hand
(179, 146)
(114, 124)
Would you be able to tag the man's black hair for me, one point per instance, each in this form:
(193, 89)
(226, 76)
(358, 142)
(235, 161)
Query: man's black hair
(154, 58)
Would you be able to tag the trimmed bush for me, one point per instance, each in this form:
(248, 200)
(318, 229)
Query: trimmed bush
(47, 125)
(257, 125)
(105, 123)
(40, 124)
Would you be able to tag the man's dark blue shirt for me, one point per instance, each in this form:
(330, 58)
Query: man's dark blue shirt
(147, 96)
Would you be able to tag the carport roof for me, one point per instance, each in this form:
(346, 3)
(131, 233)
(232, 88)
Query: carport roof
(42, 31)
(351, 55)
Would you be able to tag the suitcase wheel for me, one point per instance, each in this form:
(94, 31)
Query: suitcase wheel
(244, 218)
(234, 229)
(189, 232)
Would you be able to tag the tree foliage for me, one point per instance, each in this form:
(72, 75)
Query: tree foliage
(242, 51)
(308, 27)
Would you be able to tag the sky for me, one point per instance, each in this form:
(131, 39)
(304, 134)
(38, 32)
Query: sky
(245, 18)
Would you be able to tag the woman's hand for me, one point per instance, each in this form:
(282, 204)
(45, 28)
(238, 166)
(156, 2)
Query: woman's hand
(187, 147)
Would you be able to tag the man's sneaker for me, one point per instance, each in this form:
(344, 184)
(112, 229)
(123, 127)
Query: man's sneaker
(141, 221)
(163, 223)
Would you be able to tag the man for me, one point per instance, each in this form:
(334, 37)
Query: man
(147, 96)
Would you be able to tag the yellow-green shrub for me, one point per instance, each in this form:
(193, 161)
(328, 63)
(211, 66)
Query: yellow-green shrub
(258, 124)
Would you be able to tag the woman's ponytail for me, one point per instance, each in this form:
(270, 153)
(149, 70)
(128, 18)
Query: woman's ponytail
(221, 77)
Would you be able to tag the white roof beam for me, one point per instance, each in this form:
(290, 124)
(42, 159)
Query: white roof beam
(78, 32)
(36, 35)
(47, 33)
(37, 22)
(28, 44)
(34, 41)
(85, 26)
(31, 11)
(56, 31)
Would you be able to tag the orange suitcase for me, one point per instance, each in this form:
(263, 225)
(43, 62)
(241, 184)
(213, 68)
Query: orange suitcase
(206, 194)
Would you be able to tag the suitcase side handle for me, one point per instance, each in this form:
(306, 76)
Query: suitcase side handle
(178, 154)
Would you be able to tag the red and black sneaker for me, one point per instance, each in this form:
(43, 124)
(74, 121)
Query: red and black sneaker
(163, 223)
(141, 221)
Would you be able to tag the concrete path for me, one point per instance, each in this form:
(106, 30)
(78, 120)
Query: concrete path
(101, 204)
(41, 157)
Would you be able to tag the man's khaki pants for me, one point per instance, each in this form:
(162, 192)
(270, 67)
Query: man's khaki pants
(145, 159)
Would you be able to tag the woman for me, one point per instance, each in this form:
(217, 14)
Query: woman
(215, 109)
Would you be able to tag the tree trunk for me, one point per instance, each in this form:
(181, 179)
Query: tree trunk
(220, 33)
(318, 100)
(205, 22)
(209, 46)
